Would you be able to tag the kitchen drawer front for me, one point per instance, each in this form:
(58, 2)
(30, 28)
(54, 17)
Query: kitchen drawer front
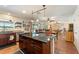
(37, 43)
(36, 49)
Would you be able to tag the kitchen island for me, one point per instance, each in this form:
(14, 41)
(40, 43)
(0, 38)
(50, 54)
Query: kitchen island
(36, 43)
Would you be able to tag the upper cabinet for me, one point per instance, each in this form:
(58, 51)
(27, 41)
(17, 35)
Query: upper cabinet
(6, 25)
(18, 24)
(39, 25)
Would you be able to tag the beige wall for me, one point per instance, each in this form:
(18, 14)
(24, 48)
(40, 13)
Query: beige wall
(75, 18)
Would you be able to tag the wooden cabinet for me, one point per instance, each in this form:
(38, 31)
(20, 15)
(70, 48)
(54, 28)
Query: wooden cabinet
(32, 46)
(70, 36)
(36, 47)
(6, 39)
(3, 41)
(70, 33)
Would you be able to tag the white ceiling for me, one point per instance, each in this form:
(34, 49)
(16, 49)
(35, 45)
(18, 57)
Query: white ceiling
(52, 10)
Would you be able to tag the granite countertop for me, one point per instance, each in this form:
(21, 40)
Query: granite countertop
(6, 32)
(40, 37)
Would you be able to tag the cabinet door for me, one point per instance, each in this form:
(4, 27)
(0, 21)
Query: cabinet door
(70, 36)
(3, 41)
(36, 47)
(27, 44)
(20, 44)
(36, 50)
(46, 48)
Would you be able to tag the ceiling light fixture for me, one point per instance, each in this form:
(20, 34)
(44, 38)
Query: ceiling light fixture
(40, 9)
(32, 21)
(23, 11)
(37, 20)
(9, 14)
(44, 9)
(38, 12)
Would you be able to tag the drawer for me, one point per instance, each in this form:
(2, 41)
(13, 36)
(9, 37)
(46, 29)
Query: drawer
(37, 43)
(36, 46)
(36, 50)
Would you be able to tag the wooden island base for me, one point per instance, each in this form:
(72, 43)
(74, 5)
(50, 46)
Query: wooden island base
(31, 46)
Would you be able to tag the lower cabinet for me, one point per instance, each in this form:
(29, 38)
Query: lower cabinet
(7, 38)
(3, 41)
(31, 46)
(70, 36)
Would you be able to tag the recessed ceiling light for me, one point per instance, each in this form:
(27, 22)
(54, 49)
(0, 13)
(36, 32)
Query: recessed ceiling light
(23, 11)
(32, 21)
(9, 13)
(53, 18)
(37, 20)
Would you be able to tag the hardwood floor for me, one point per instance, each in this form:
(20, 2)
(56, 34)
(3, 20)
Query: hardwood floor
(64, 47)
(61, 47)
(9, 50)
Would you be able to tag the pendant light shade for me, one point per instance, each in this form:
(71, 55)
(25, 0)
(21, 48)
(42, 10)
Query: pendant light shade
(44, 5)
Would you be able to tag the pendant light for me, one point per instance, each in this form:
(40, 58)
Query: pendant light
(44, 9)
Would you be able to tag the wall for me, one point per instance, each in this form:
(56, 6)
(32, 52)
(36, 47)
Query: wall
(75, 18)
(64, 20)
